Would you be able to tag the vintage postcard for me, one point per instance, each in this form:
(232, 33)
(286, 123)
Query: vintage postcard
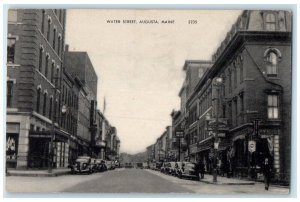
(148, 101)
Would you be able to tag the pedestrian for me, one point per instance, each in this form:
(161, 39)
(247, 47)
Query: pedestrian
(267, 170)
(201, 169)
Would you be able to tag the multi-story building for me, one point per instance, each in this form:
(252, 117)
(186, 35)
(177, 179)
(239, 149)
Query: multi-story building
(34, 62)
(80, 67)
(252, 103)
(51, 97)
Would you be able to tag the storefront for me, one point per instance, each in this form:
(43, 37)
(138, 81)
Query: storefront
(12, 143)
(39, 149)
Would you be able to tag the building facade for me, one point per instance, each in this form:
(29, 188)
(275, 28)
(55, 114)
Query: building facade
(34, 62)
(51, 109)
(253, 101)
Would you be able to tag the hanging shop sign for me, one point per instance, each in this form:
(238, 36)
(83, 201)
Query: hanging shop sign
(252, 146)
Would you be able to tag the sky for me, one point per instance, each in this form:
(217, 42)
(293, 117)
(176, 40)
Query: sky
(140, 66)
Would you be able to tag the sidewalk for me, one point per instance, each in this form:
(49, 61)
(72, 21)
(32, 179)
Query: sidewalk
(226, 181)
(38, 173)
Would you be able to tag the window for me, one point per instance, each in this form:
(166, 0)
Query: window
(229, 81)
(58, 45)
(54, 37)
(40, 59)
(241, 65)
(52, 71)
(48, 29)
(44, 104)
(270, 22)
(50, 107)
(273, 112)
(242, 108)
(235, 75)
(11, 46)
(46, 66)
(272, 64)
(57, 75)
(9, 93)
(38, 100)
(43, 21)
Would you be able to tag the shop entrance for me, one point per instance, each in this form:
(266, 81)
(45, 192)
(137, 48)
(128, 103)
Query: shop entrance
(38, 153)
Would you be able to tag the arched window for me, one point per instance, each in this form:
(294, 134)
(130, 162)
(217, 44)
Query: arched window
(40, 59)
(272, 61)
(44, 103)
(58, 45)
(54, 37)
(52, 72)
(241, 65)
(43, 21)
(270, 22)
(235, 74)
(38, 100)
(48, 29)
(46, 66)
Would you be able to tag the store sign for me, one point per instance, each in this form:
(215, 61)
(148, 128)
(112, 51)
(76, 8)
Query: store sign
(252, 146)
(179, 134)
(100, 143)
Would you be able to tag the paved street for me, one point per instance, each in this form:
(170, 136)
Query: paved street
(128, 181)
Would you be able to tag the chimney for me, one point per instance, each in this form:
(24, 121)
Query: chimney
(67, 48)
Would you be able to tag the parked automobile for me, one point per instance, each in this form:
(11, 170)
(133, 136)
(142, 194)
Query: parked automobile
(165, 167)
(139, 165)
(145, 165)
(100, 165)
(108, 165)
(171, 169)
(158, 165)
(128, 165)
(83, 164)
(187, 170)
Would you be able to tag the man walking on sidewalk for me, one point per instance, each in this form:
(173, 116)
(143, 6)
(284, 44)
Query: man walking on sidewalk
(267, 170)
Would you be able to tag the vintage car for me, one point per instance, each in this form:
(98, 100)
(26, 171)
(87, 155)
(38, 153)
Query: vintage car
(100, 165)
(171, 169)
(187, 170)
(165, 167)
(83, 164)
(108, 165)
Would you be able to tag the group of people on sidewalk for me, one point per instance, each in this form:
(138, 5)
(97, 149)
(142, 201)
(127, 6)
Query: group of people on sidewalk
(266, 169)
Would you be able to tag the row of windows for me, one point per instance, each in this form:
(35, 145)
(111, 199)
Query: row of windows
(68, 97)
(56, 37)
(235, 111)
(205, 102)
(48, 106)
(231, 80)
(235, 114)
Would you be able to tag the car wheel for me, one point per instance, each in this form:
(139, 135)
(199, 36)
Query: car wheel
(180, 175)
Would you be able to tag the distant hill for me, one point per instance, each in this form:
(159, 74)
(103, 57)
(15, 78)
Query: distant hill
(133, 158)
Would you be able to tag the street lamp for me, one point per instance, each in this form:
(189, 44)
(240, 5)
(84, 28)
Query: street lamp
(50, 159)
(217, 83)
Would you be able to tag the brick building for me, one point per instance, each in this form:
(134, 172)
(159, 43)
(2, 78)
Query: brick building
(46, 98)
(254, 63)
(34, 61)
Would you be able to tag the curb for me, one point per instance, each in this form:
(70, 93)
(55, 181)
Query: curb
(229, 183)
(37, 174)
